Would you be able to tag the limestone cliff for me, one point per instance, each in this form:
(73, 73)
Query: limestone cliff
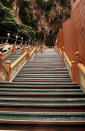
(43, 16)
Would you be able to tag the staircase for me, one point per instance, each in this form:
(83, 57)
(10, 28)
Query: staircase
(42, 97)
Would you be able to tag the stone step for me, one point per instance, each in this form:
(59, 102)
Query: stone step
(41, 65)
(42, 94)
(42, 105)
(43, 69)
(21, 86)
(42, 76)
(49, 96)
(40, 90)
(17, 79)
(43, 72)
(54, 118)
(43, 79)
(42, 102)
(43, 84)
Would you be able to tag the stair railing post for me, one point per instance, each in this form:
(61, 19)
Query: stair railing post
(73, 70)
(28, 55)
(77, 60)
(7, 42)
(1, 55)
(26, 49)
(36, 50)
(8, 68)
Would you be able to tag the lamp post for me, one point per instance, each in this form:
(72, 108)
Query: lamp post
(16, 38)
(8, 38)
(21, 40)
(8, 35)
(29, 41)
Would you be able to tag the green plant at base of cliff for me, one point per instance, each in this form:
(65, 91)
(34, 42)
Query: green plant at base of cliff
(7, 3)
(7, 21)
(8, 24)
(26, 32)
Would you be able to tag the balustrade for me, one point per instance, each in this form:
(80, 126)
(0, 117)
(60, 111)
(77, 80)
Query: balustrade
(8, 72)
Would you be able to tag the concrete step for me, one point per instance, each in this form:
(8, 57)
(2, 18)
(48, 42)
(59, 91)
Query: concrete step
(17, 79)
(40, 86)
(42, 102)
(43, 76)
(54, 118)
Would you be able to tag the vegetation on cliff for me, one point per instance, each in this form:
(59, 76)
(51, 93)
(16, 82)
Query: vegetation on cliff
(9, 23)
(33, 19)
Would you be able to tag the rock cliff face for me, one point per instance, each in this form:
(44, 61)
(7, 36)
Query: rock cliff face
(50, 18)
(44, 16)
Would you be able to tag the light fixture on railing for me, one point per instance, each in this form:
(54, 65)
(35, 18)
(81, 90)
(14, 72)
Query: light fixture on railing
(8, 35)
(8, 38)
(16, 39)
(21, 40)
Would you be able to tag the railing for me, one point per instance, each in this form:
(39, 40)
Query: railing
(68, 64)
(15, 66)
(19, 51)
(82, 75)
(32, 54)
(37, 50)
(76, 70)
(7, 53)
(1, 45)
(3, 73)
(9, 71)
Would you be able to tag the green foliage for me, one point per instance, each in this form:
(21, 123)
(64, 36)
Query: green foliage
(33, 23)
(7, 21)
(45, 5)
(7, 3)
(26, 32)
(8, 24)
(22, 11)
(27, 18)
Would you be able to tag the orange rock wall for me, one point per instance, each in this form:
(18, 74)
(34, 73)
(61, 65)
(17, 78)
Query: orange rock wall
(78, 18)
(73, 32)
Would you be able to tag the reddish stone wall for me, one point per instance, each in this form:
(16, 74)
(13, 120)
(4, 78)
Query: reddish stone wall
(74, 31)
(70, 41)
(78, 18)
(60, 39)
